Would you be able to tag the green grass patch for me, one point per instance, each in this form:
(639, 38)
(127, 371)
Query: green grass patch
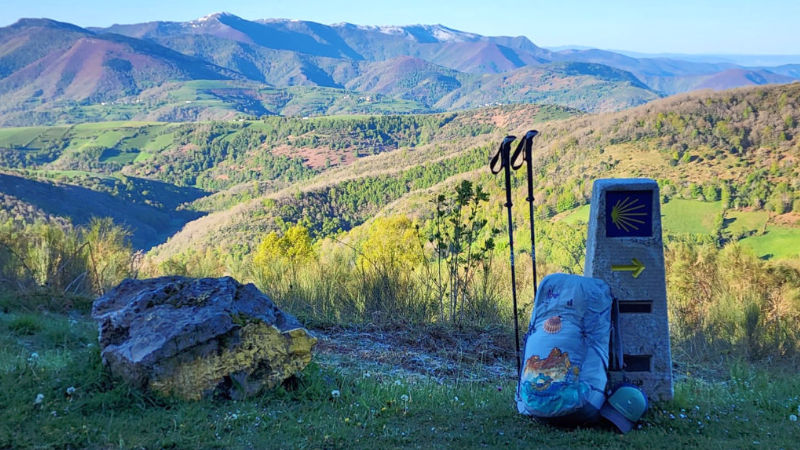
(689, 216)
(778, 242)
(142, 138)
(210, 84)
(110, 138)
(579, 214)
(25, 325)
(113, 155)
(143, 156)
(739, 222)
(323, 407)
(52, 173)
(20, 136)
(137, 141)
(93, 127)
(159, 143)
(193, 91)
(49, 137)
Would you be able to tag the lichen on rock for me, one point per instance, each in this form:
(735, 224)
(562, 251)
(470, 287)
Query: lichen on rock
(195, 338)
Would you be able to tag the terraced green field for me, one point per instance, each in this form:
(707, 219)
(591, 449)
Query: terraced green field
(20, 137)
(738, 222)
(689, 216)
(779, 242)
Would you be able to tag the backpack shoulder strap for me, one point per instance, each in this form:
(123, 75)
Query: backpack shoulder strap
(615, 350)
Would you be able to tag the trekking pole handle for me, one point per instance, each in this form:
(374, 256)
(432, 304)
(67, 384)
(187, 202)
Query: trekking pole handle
(501, 158)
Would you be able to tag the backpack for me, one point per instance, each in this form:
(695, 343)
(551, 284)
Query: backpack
(565, 356)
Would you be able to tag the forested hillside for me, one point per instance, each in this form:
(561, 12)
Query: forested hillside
(739, 147)
(169, 165)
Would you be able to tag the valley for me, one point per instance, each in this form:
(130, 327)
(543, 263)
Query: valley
(332, 173)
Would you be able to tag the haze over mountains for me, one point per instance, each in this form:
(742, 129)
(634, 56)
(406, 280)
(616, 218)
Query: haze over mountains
(222, 66)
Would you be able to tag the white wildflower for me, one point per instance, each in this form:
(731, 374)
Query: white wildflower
(367, 375)
(398, 383)
(70, 390)
(404, 397)
(39, 399)
(34, 357)
(335, 393)
(455, 399)
(792, 417)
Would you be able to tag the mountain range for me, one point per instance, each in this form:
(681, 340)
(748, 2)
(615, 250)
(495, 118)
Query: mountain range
(222, 66)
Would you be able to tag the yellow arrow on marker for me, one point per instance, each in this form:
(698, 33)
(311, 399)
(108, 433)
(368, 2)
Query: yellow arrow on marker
(636, 267)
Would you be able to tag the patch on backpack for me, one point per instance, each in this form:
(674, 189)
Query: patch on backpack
(551, 383)
(553, 325)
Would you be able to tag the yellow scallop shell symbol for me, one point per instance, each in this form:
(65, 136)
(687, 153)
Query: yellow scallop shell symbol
(625, 214)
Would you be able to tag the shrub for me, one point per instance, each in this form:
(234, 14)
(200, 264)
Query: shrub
(65, 259)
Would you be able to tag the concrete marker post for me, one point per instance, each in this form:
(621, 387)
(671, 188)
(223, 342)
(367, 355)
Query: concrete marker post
(625, 248)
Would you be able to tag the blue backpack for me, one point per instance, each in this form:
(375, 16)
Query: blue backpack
(565, 358)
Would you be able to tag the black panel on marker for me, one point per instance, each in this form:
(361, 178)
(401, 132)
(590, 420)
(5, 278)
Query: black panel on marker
(629, 213)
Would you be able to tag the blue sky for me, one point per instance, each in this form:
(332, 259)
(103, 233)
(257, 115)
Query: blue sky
(677, 26)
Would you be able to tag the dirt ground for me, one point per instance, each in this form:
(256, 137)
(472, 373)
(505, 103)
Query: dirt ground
(429, 352)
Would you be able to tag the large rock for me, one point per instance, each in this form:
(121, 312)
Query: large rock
(196, 338)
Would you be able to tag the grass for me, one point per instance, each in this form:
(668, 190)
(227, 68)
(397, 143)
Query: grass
(689, 216)
(111, 155)
(51, 173)
(159, 143)
(739, 222)
(144, 138)
(779, 242)
(126, 125)
(110, 138)
(19, 136)
(142, 156)
(384, 410)
(578, 215)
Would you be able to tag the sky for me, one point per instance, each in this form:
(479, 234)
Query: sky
(759, 27)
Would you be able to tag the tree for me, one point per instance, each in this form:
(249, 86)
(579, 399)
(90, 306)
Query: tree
(294, 247)
(391, 244)
(456, 238)
(711, 193)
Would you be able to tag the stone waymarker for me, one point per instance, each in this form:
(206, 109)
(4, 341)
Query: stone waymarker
(625, 249)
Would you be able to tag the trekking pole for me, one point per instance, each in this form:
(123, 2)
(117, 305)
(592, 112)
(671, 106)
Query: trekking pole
(525, 147)
(503, 157)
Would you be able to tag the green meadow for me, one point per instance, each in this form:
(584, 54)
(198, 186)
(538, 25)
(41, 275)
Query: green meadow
(55, 358)
(778, 242)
